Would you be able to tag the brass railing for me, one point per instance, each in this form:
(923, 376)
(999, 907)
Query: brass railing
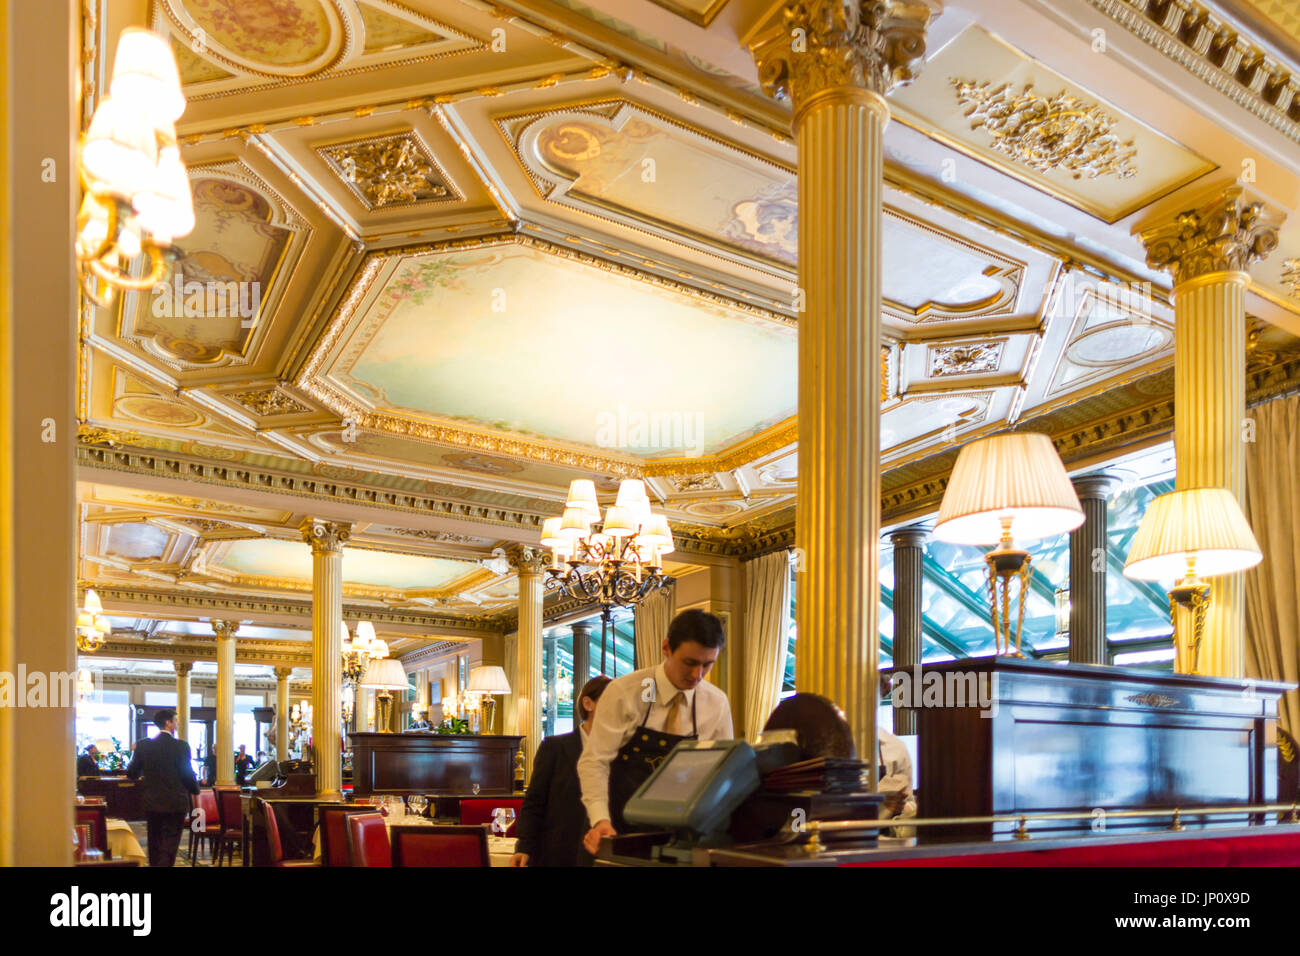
(813, 829)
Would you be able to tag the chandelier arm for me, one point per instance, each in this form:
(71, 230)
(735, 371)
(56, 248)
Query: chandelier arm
(158, 268)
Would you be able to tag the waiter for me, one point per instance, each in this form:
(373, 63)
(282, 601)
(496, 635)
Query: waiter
(643, 715)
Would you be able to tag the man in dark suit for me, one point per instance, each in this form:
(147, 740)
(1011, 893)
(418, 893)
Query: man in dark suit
(88, 764)
(162, 765)
(553, 820)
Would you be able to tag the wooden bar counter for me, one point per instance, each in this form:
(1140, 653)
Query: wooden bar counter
(1043, 737)
(433, 763)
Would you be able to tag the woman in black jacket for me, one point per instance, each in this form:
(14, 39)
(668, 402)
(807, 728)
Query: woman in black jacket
(553, 820)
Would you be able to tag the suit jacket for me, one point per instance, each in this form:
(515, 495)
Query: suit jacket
(162, 765)
(553, 821)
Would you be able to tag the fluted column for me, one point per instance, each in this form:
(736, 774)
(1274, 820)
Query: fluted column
(183, 669)
(581, 655)
(225, 744)
(909, 544)
(530, 563)
(1088, 550)
(1208, 250)
(326, 539)
(282, 712)
(836, 59)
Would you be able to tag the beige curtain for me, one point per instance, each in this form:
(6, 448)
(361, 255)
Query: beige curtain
(1273, 509)
(767, 630)
(650, 624)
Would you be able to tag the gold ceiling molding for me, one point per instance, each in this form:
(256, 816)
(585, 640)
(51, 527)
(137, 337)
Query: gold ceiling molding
(1211, 49)
(269, 402)
(1291, 276)
(114, 437)
(971, 358)
(1047, 132)
(699, 13)
(393, 170)
(347, 47)
(191, 650)
(138, 601)
(706, 481)
(1228, 233)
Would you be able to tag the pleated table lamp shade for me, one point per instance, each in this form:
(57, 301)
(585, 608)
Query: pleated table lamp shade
(1206, 523)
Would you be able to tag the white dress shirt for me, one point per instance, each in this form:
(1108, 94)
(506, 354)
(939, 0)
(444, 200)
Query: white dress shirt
(898, 776)
(619, 713)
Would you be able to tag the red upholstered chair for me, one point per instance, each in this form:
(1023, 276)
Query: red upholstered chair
(479, 811)
(368, 840)
(334, 832)
(440, 846)
(208, 824)
(273, 839)
(230, 814)
(96, 818)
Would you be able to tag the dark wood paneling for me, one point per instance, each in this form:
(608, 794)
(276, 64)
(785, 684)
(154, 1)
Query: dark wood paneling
(433, 763)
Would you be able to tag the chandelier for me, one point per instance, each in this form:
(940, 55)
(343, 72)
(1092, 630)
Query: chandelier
(616, 566)
(619, 564)
(137, 190)
(359, 650)
(92, 627)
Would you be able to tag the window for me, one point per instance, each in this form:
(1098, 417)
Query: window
(167, 698)
(106, 716)
(245, 723)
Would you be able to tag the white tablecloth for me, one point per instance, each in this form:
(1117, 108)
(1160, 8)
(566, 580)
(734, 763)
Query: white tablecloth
(122, 842)
(500, 850)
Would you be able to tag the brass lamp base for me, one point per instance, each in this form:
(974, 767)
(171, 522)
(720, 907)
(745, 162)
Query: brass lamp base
(1193, 594)
(1006, 563)
(385, 701)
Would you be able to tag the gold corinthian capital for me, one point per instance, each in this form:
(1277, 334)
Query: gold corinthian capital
(525, 559)
(325, 537)
(820, 45)
(1226, 234)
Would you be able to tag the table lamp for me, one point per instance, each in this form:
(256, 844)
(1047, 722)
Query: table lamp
(1189, 535)
(1007, 488)
(385, 675)
(486, 680)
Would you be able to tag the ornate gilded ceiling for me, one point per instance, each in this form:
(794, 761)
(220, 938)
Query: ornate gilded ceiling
(450, 255)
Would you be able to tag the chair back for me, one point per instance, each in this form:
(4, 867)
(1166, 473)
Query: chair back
(334, 832)
(368, 840)
(96, 818)
(207, 802)
(230, 809)
(273, 844)
(440, 846)
(479, 810)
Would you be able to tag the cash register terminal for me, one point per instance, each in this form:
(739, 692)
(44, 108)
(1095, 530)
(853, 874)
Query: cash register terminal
(694, 792)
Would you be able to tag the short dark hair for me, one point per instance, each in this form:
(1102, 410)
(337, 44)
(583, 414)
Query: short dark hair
(160, 719)
(695, 625)
(593, 689)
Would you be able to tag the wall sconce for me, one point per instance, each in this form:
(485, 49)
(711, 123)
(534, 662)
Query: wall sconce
(137, 190)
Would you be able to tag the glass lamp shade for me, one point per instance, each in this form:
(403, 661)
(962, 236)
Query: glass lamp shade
(164, 207)
(488, 679)
(574, 524)
(1016, 477)
(365, 636)
(618, 522)
(1206, 524)
(385, 674)
(120, 154)
(378, 649)
(655, 533)
(582, 494)
(92, 604)
(145, 75)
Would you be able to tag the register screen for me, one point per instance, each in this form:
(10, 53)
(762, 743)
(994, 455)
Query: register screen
(684, 774)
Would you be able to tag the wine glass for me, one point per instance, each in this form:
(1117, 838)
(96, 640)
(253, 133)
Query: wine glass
(503, 819)
(474, 788)
(418, 803)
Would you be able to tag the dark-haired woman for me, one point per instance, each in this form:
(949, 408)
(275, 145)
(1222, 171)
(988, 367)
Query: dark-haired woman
(553, 820)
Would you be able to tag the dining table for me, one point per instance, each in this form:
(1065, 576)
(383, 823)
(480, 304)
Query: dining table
(122, 842)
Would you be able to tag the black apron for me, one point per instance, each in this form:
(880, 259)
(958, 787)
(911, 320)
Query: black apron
(637, 760)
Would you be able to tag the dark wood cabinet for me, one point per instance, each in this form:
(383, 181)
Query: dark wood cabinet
(433, 763)
(1029, 736)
